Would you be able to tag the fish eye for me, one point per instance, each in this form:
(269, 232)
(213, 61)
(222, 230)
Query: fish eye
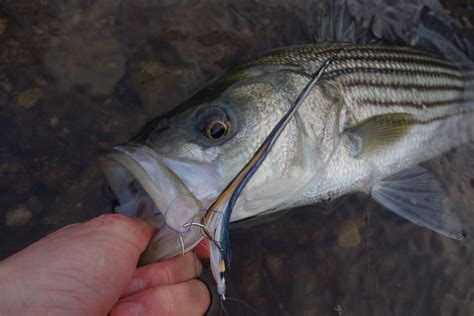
(214, 124)
(216, 129)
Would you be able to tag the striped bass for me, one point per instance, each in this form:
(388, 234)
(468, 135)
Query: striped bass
(376, 114)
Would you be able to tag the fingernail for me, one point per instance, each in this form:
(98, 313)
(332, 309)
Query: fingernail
(135, 285)
(127, 309)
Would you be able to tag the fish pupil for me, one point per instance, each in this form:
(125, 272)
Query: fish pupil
(217, 130)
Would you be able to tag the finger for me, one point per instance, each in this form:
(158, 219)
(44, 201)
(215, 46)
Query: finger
(175, 270)
(133, 231)
(202, 249)
(188, 298)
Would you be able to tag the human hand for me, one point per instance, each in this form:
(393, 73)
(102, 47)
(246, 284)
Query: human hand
(90, 269)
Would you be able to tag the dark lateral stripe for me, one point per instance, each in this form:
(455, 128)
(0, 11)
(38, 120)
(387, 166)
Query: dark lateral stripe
(316, 50)
(436, 65)
(371, 70)
(375, 102)
(409, 86)
(315, 53)
(393, 51)
(310, 52)
(386, 49)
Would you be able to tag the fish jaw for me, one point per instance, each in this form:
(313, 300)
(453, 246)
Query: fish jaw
(168, 243)
(170, 194)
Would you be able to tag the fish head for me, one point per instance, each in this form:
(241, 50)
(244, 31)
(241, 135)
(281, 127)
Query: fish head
(177, 165)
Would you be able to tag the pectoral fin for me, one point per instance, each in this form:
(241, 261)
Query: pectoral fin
(416, 195)
(379, 131)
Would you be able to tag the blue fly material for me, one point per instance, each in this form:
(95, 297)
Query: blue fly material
(265, 149)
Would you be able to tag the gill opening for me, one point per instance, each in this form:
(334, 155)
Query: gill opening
(225, 202)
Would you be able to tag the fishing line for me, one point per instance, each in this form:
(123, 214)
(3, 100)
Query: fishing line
(224, 309)
(188, 225)
(182, 242)
(232, 299)
(204, 230)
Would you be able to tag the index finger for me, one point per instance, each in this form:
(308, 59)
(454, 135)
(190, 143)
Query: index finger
(175, 270)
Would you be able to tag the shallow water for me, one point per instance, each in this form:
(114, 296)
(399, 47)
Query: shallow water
(77, 76)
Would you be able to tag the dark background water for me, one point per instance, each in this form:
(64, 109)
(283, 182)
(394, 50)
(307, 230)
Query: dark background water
(76, 76)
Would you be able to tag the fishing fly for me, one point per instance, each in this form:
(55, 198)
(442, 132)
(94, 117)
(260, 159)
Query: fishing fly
(216, 220)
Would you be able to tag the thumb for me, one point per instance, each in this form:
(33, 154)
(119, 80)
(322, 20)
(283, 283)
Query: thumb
(89, 262)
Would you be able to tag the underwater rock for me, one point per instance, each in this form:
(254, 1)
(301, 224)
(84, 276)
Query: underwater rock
(420, 245)
(3, 25)
(274, 264)
(348, 234)
(449, 305)
(5, 90)
(29, 97)
(14, 175)
(95, 62)
(3, 99)
(253, 278)
(54, 121)
(18, 216)
(85, 52)
(319, 275)
(153, 80)
(6, 87)
(34, 204)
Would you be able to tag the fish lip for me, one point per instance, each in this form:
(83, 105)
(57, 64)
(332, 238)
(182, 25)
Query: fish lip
(156, 179)
(166, 245)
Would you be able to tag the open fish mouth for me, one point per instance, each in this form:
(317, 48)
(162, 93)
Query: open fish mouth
(146, 187)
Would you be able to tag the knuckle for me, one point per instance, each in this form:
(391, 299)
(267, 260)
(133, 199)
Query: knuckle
(170, 273)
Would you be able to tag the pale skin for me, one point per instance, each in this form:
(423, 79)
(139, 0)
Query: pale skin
(91, 269)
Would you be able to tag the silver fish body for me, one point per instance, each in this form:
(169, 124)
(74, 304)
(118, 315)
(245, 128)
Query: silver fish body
(377, 111)
(371, 82)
